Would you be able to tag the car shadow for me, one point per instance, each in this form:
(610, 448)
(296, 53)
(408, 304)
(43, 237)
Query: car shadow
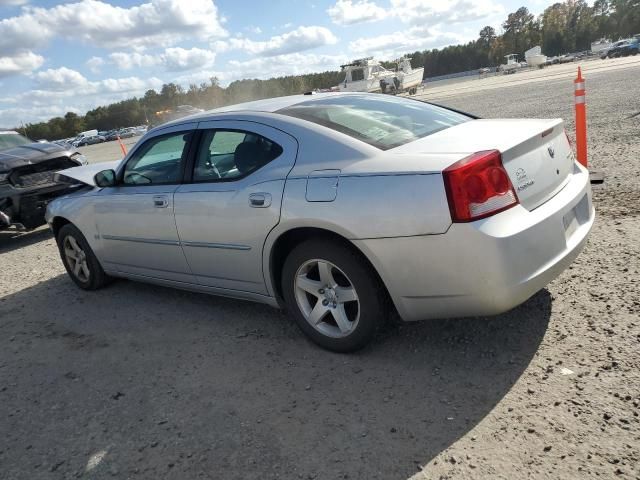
(173, 384)
(14, 239)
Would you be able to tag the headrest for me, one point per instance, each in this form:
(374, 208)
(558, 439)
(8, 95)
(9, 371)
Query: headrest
(248, 156)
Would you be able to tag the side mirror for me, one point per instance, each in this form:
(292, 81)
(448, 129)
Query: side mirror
(105, 178)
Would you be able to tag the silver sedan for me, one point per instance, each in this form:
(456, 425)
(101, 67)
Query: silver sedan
(339, 207)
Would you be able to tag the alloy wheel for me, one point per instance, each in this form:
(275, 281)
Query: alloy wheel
(327, 298)
(76, 258)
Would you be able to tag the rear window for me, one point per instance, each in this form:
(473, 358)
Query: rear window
(379, 120)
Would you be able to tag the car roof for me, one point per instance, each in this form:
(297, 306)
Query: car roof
(274, 104)
(268, 105)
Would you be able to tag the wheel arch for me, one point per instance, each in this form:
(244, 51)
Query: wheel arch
(286, 240)
(57, 223)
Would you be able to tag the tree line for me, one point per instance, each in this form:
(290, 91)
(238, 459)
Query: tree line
(563, 27)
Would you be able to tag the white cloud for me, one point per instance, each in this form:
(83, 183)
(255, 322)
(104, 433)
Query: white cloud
(429, 26)
(417, 12)
(94, 64)
(127, 86)
(174, 59)
(280, 65)
(298, 40)
(346, 12)
(127, 61)
(60, 79)
(13, 116)
(13, 3)
(430, 13)
(159, 22)
(401, 42)
(61, 90)
(20, 63)
(65, 82)
(180, 59)
(22, 33)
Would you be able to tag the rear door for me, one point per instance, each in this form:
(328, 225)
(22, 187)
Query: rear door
(233, 201)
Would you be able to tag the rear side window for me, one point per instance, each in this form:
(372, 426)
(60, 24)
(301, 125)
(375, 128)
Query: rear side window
(379, 120)
(232, 154)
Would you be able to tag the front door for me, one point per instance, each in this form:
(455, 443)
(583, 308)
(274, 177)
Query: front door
(233, 201)
(135, 219)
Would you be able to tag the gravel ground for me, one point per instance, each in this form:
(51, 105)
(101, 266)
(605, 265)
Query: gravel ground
(138, 381)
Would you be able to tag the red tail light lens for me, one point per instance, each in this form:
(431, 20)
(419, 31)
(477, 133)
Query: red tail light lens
(478, 186)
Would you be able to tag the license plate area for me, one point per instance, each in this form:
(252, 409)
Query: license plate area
(575, 217)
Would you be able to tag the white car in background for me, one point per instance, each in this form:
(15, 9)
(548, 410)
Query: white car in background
(335, 206)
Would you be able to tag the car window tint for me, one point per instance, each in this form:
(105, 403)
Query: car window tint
(231, 154)
(158, 161)
(382, 121)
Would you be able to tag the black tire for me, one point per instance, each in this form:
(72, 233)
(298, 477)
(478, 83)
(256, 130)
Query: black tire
(96, 277)
(371, 305)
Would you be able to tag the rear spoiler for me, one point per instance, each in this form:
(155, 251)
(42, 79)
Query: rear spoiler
(470, 115)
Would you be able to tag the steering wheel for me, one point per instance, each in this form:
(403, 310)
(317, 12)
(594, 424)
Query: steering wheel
(134, 178)
(212, 166)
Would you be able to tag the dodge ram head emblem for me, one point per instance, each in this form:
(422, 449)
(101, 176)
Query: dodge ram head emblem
(552, 152)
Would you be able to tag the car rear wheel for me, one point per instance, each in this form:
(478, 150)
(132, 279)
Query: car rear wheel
(333, 295)
(79, 260)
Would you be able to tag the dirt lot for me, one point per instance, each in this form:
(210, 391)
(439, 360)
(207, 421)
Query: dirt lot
(137, 381)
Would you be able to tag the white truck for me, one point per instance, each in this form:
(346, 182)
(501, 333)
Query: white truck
(82, 135)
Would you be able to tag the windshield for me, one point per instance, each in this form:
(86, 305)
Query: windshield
(382, 121)
(12, 139)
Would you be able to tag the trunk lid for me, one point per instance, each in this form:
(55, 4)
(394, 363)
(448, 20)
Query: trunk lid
(535, 153)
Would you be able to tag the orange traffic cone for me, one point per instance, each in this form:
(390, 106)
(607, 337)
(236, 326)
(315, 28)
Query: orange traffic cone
(581, 126)
(122, 147)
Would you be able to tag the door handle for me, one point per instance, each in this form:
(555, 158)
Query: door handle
(260, 200)
(160, 201)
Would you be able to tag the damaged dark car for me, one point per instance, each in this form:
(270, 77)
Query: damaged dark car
(27, 181)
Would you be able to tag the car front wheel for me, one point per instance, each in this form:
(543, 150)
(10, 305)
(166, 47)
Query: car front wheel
(79, 260)
(333, 295)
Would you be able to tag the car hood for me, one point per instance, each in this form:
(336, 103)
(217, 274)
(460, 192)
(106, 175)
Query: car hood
(29, 154)
(86, 173)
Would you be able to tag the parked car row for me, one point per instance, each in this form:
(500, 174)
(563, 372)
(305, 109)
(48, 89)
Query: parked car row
(91, 137)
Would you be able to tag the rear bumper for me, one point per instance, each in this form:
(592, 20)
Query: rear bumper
(489, 266)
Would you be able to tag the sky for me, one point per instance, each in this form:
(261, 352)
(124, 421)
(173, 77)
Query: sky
(57, 57)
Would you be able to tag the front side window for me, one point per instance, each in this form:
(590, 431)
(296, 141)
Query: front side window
(159, 161)
(232, 154)
(382, 121)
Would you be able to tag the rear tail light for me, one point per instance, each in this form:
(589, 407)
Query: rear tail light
(478, 186)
